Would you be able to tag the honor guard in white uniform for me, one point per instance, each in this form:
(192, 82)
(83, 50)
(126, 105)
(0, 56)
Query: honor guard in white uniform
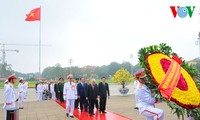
(9, 94)
(45, 86)
(145, 100)
(26, 89)
(136, 84)
(53, 96)
(70, 95)
(40, 90)
(5, 84)
(21, 92)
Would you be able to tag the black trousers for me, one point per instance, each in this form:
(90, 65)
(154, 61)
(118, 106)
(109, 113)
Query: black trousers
(76, 103)
(61, 97)
(96, 104)
(83, 102)
(103, 104)
(57, 95)
(93, 102)
(91, 106)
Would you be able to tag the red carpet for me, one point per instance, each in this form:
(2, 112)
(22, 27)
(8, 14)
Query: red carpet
(85, 116)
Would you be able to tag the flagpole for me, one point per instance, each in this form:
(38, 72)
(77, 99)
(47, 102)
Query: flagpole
(40, 43)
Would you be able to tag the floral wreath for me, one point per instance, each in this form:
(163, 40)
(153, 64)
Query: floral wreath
(170, 78)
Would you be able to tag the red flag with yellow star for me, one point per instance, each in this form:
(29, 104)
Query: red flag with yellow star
(34, 15)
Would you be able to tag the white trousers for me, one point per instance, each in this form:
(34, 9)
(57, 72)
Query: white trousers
(152, 113)
(21, 99)
(25, 94)
(39, 96)
(53, 96)
(70, 106)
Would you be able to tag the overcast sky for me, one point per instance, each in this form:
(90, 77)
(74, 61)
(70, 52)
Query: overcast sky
(94, 32)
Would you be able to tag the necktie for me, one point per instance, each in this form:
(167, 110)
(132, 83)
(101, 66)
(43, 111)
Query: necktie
(92, 87)
(70, 83)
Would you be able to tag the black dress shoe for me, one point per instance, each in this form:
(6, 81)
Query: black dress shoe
(67, 114)
(104, 112)
(72, 116)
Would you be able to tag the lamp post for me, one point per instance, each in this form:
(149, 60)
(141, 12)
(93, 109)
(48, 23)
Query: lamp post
(70, 63)
(131, 56)
(198, 39)
(198, 43)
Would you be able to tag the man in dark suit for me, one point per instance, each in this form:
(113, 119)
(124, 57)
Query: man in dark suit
(60, 89)
(92, 96)
(103, 93)
(56, 89)
(49, 83)
(82, 93)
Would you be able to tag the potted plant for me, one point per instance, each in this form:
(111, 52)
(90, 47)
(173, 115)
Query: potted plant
(123, 77)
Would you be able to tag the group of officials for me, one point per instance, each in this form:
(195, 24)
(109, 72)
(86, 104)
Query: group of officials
(9, 93)
(77, 94)
(86, 95)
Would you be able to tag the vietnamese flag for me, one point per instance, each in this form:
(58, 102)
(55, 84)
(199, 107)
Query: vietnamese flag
(34, 15)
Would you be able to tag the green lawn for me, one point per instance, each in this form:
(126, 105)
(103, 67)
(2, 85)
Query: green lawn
(32, 83)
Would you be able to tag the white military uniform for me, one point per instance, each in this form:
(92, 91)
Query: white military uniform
(70, 94)
(45, 87)
(10, 99)
(145, 102)
(5, 85)
(135, 87)
(40, 91)
(53, 96)
(21, 92)
(26, 89)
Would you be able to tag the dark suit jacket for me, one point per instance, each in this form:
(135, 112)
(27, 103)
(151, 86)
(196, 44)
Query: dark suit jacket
(82, 89)
(49, 86)
(60, 87)
(92, 93)
(36, 86)
(56, 87)
(103, 90)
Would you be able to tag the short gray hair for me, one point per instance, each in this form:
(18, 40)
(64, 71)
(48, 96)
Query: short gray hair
(93, 80)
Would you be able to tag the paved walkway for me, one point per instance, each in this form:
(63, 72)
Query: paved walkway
(50, 110)
(45, 110)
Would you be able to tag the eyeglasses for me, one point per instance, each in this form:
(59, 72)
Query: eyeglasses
(143, 78)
